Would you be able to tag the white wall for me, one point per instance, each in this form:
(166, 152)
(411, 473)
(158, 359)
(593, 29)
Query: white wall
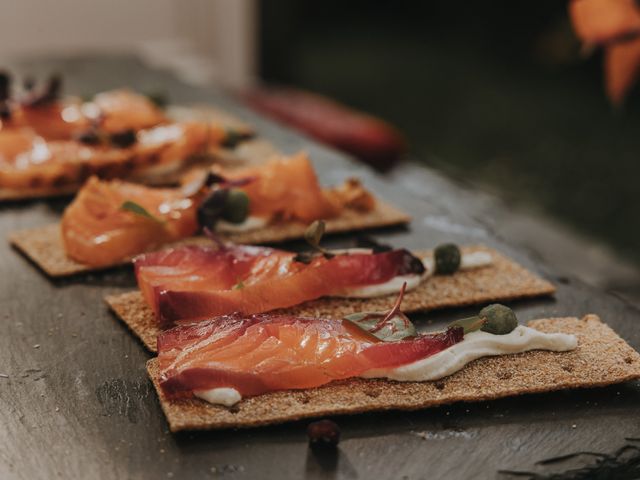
(203, 39)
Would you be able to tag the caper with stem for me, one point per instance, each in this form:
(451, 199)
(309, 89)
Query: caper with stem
(231, 205)
(496, 319)
(499, 319)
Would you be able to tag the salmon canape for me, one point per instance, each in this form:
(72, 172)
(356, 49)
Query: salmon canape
(109, 221)
(226, 358)
(198, 282)
(263, 353)
(49, 142)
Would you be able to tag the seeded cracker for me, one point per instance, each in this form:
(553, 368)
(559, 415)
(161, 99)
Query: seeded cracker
(503, 280)
(602, 358)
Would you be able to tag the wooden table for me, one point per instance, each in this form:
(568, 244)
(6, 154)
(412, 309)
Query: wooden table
(77, 402)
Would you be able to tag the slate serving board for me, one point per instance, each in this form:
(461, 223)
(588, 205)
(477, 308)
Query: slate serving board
(75, 401)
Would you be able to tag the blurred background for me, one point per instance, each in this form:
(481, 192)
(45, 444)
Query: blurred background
(496, 94)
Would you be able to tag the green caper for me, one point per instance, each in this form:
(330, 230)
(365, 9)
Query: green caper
(499, 319)
(236, 206)
(447, 258)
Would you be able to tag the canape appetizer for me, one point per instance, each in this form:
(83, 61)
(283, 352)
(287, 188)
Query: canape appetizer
(110, 221)
(49, 142)
(227, 358)
(191, 283)
(245, 371)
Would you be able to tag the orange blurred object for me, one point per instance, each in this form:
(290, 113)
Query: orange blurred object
(615, 26)
(601, 21)
(366, 137)
(622, 63)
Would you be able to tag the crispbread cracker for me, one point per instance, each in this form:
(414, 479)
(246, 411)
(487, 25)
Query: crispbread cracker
(602, 358)
(503, 280)
(43, 245)
(206, 113)
(250, 153)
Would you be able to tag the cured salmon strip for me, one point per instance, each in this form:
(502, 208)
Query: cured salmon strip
(263, 353)
(191, 283)
(97, 230)
(284, 189)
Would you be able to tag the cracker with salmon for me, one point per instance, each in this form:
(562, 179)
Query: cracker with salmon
(109, 222)
(503, 280)
(601, 358)
(50, 145)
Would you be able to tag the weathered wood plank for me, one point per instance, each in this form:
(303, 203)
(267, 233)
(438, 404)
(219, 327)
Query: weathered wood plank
(79, 405)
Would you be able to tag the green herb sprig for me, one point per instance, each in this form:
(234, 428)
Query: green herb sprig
(139, 210)
(388, 326)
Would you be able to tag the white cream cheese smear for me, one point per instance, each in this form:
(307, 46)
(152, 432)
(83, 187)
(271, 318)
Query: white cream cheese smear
(220, 396)
(251, 223)
(476, 345)
(467, 262)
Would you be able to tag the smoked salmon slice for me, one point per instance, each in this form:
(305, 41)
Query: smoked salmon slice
(282, 189)
(97, 231)
(263, 353)
(190, 283)
(288, 188)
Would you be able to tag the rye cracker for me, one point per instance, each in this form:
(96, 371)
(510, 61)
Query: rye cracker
(44, 247)
(503, 280)
(601, 358)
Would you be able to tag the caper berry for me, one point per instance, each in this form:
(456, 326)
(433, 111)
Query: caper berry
(211, 208)
(323, 434)
(447, 258)
(499, 319)
(236, 206)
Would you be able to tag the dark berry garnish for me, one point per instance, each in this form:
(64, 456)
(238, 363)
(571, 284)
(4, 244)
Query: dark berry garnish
(88, 137)
(323, 434)
(5, 86)
(410, 264)
(123, 139)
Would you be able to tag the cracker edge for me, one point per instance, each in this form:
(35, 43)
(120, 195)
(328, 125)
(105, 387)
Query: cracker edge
(559, 371)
